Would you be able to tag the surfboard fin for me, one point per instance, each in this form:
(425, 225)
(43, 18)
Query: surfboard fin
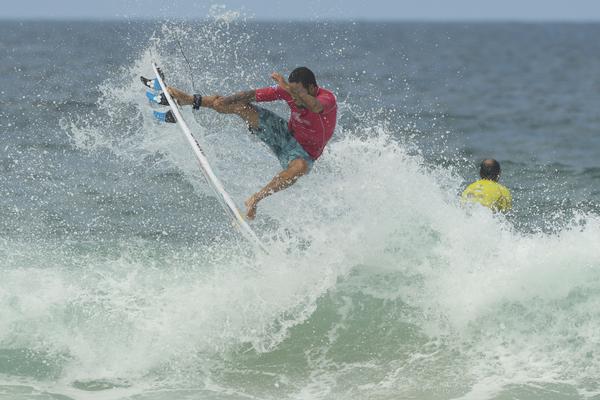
(151, 83)
(157, 98)
(165, 116)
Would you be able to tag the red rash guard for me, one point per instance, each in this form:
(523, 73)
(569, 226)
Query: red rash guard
(311, 130)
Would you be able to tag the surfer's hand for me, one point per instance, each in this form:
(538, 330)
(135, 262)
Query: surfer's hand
(251, 204)
(277, 77)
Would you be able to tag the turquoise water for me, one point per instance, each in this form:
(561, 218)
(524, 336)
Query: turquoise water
(121, 278)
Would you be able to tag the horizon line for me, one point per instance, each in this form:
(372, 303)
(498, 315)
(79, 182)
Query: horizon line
(303, 20)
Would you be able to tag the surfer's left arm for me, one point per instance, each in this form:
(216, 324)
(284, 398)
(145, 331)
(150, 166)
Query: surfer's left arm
(286, 178)
(299, 92)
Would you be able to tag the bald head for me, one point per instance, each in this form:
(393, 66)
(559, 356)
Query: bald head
(490, 169)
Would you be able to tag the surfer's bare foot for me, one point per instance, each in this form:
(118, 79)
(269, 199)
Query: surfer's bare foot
(180, 96)
(251, 204)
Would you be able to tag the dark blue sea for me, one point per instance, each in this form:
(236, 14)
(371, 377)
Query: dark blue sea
(122, 278)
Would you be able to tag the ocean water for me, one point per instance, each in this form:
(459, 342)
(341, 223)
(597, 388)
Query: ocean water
(121, 278)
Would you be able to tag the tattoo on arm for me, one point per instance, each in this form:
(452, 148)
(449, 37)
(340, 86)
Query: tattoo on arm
(241, 97)
(311, 102)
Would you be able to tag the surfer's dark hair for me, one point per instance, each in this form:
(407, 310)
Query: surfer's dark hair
(304, 76)
(490, 169)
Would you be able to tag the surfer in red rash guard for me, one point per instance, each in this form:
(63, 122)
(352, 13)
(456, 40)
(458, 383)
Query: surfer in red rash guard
(297, 143)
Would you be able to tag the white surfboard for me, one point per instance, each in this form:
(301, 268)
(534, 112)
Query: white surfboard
(224, 199)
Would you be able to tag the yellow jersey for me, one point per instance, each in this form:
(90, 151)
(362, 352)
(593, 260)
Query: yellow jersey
(489, 194)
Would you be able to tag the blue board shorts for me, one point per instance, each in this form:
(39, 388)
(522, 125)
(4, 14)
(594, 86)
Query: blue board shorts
(273, 131)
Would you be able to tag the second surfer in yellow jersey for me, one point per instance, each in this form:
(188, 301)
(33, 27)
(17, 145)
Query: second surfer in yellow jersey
(487, 191)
